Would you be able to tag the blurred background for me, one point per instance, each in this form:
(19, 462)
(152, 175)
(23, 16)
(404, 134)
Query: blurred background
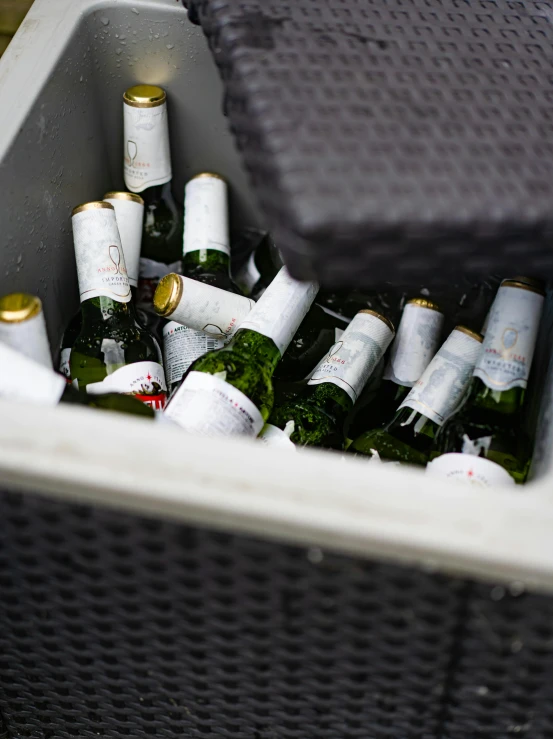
(12, 13)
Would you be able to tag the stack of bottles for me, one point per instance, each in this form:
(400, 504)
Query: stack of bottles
(165, 329)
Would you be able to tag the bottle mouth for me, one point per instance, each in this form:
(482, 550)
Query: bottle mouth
(469, 332)
(144, 96)
(116, 195)
(168, 294)
(381, 317)
(425, 303)
(212, 175)
(525, 283)
(19, 307)
(95, 205)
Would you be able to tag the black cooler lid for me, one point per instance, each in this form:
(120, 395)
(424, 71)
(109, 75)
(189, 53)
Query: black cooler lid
(394, 140)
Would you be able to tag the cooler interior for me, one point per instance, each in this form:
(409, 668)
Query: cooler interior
(115, 624)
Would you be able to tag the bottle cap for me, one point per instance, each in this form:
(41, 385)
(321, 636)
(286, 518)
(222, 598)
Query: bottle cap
(168, 294)
(96, 204)
(424, 303)
(19, 307)
(474, 334)
(525, 283)
(144, 96)
(382, 318)
(124, 196)
(208, 174)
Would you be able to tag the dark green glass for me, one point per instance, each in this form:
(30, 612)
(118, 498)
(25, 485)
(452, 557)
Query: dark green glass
(260, 269)
(379, 410)
(494, 415)
(248, 362)
(318, 416)
(108, 402)
(109, 339)
(407, 438)
(163, 224)
(211, 267)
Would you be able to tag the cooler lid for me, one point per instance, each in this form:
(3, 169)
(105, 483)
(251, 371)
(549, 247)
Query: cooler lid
(393, 140)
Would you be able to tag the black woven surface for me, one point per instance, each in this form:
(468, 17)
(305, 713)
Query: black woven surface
(502, 684)
(115, 626)
(393, 140)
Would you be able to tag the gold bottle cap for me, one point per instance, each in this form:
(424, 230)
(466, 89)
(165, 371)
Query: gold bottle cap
(525, 283)
(19, 307)
(96, 205)
(473, 334)
(168, 294)
(214, 175)
(424, 303)
(144, 96)
(116, 195)
(382, 318)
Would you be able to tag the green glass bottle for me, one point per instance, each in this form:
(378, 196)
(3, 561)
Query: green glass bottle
(24, 380)
(261, 267)
(206, 259)
(318, 414)
(147, 170)
(489, 425)
(112, 353)
(410, 434)
(415, 344)
(129, 214)
(229, 391)
(23, 328)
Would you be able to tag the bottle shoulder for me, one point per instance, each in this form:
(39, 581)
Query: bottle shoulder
(312, 426)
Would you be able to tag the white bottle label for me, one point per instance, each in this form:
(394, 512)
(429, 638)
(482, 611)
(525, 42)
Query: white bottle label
(208, 406)
(206, 215)
(276, 438)
(510, 339)
(147, 157)
(248, 275)
(99, 255)
(65, 359)
(210, 309)
(469, 469)
(129, 215)
(443, 383)
(352, 360)
(415, 344)
(182, 346)
(144, 380)
(280, 310)
(23, 379)
(30, 338)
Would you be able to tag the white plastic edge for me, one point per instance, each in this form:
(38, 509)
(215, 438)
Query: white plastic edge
(312, 499)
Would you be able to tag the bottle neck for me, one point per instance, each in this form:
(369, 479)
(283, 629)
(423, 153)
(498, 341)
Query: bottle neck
(503, 402)
(330, 398)
(259, 347)
(207, 265)
(104, 309)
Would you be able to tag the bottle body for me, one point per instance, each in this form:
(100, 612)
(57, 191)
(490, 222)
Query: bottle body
(110, 341)
(318, 415)
(437, 394)
(489, 424)
(229, 391)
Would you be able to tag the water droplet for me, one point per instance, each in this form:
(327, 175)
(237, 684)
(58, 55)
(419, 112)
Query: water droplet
(169, 46)
(104, 21)
(135, 11)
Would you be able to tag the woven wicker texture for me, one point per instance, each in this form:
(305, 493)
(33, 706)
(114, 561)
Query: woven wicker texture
(115, 626)
(502, 681)
(393, 140)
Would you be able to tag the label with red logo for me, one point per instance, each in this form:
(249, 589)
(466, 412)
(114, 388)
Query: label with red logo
(144, 380)
(209, 406)
(510, 338)
(467, 468)
(352, 360)
(147, 157)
